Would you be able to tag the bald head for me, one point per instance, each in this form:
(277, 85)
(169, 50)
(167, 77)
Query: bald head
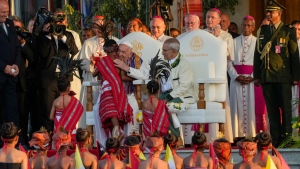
(157, 26)
(4, 10)
(225, 22)
(192, 22)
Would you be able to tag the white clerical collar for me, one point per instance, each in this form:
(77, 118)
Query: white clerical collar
(160, 38)
(248, 37)
(173, 60)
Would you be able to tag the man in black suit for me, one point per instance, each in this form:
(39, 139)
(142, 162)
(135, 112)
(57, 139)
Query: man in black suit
(23, 83)
(9, 60)
(49, 46)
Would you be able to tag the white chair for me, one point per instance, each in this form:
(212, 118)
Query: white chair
(207, 56)
(146, 47)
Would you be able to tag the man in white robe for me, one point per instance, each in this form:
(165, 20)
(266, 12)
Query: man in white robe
(240, 70)
(213, 19)
(192, 22)
(157, 27)
(91, 46)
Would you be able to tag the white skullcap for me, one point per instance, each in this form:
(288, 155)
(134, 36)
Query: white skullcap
(127, 43)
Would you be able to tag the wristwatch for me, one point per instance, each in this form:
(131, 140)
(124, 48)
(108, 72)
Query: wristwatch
(128, 72)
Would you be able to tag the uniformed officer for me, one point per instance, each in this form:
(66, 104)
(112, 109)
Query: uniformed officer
(276, 68)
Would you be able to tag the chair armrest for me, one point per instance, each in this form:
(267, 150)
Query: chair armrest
(91, 83)
(138, 82)
(212, 80)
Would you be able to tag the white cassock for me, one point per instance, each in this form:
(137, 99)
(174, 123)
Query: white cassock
(225, 36)
(242, 97)
(90, 46)
(162, 38)
(76, 83)
(295, 94)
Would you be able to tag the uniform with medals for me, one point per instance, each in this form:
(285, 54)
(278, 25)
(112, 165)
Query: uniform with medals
(276, 67)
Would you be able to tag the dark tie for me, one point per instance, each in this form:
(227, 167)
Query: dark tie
(2, 28)
(273, 29)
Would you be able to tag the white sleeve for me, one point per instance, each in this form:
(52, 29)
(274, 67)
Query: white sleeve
(140, 74)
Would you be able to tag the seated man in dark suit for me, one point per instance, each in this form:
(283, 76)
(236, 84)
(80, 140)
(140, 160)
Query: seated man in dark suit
(10, 57)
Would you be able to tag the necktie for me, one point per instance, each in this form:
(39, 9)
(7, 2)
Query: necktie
(3, 28)
(273, 29)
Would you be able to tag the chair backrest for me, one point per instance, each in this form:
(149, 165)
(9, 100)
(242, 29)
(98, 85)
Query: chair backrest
(143, 45)
(207, 56)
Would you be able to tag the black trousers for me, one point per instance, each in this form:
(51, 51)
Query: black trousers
(46, 97)
(23, 120)
(278, 99)
(8, 103)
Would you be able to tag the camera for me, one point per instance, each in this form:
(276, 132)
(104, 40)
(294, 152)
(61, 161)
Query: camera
(43, 17)
(24, 35)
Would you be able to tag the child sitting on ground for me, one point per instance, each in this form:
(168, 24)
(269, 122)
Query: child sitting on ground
(83, 139)
(198, 160)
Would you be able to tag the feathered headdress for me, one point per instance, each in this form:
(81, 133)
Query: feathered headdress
(67, 66)
(106, 27)
(159, 68)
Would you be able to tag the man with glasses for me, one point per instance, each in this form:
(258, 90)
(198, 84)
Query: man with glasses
(180, 88)
(192, 22)
(242, 92)
(276, 68)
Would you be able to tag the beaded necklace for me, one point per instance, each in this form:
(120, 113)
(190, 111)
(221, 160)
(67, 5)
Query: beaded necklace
(176, 62)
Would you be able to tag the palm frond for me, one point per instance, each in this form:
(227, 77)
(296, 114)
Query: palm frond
(159, 68)
(67, 66)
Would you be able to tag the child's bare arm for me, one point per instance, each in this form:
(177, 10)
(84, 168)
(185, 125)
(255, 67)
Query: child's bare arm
(52, 113)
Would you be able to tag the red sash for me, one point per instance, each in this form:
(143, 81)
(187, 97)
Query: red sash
(160, 120)
(108, 71)
(71, 115)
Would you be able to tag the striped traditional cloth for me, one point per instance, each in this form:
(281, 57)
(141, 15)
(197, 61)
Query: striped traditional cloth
(70, 116)
(114, 102)
(157, 121)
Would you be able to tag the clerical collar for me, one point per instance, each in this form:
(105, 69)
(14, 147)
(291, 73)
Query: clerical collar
(160, 38)
(248, 37)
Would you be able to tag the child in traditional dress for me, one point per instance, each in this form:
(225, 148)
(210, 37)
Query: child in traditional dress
(198, 160)
(61, 139)
(155, 112)
(222, 148)
(10, 157)
(264, 142)
(66, 110)
(172, 141)
(247, 149)
(155, 146)
(112, 147)
(83, 139)
(41, 142)
(132, 143)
